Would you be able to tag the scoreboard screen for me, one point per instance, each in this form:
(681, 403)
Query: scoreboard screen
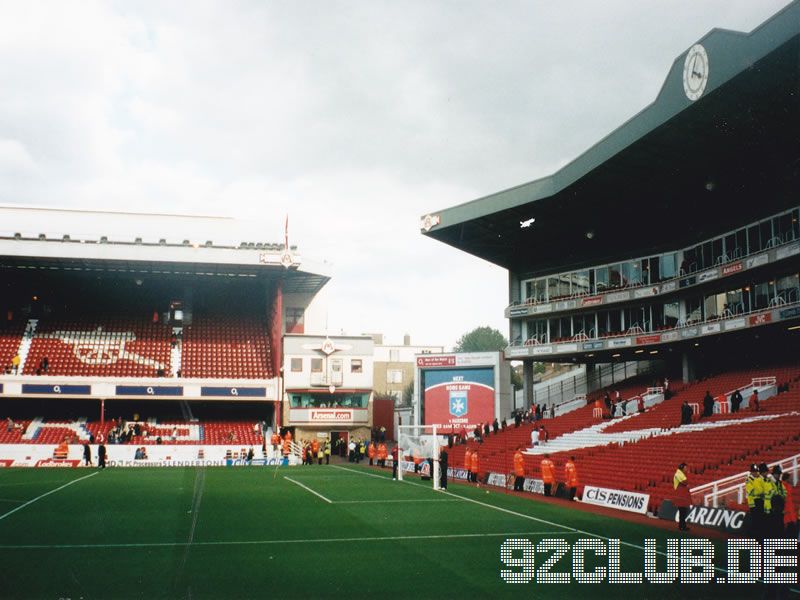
(458, 397)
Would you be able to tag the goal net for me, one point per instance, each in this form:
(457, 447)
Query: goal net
(418, 452)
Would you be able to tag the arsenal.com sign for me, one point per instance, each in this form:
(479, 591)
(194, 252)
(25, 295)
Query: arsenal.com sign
(329, 415)
(332, 415)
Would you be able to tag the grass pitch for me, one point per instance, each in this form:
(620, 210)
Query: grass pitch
(301, 532)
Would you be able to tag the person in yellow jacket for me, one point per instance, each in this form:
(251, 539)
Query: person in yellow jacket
(754, 487)
(682, 500)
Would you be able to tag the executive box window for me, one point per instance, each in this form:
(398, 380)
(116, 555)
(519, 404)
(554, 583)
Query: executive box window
(297, 365)
(329, 401)
(316, 365)
(356, 366)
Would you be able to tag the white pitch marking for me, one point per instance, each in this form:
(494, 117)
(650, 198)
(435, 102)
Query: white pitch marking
(390, 538)
(305, 487)
(391, 500)
(11, 512)
(524, 516)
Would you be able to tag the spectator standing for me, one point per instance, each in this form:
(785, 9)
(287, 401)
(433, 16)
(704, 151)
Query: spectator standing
(686, 413)
(736, 401)
(395, 461)
(544, 435)
(101, 456)
(496, 425)
(682, 500)
(15, 364)
(534, 437)
(708, 404)
(754, 403)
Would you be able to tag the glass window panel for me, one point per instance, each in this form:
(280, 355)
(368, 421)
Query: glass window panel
(614, 321)
(564, 284)
(668, 265)
(782, 227)
(730, 246)
(796, 224)
(761, 295)
(601, 279)
(671, 313)
(740, 249)
(766, 233)
(581, 283)
(706, 259)
(614, 276)
(552, 287)
(753, 239)
(694, 310)
(602, 323)
(717, 252)
(733, 302)
(555, 329)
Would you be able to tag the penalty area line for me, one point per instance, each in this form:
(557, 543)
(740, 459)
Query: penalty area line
(61, 487)
(305, 487)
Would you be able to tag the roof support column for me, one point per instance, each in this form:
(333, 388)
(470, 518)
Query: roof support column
(688, 365)
(527, 384)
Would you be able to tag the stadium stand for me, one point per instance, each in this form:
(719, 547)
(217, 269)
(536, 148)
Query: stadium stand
(10, 338)
(714, 447)
(231, 347)
(96, 346)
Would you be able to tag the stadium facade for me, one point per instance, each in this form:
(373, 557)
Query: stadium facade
(676, 237)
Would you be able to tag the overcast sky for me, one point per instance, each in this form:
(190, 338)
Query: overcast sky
(354, 118)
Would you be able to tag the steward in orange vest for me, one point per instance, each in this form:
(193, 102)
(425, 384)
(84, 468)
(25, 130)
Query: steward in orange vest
(475, 465)
(371, 452)
(548, 474)
(571, 477)
(382, 454)
(519, 470)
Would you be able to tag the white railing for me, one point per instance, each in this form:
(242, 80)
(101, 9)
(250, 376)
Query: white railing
(565, 407)
(756, 382)
(732, 489)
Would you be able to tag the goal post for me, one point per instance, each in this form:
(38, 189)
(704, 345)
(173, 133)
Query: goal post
(418, 449)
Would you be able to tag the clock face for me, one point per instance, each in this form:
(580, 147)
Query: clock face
(695, 72)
